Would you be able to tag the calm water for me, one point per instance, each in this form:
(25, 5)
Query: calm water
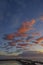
(9, 63)
(14, 63)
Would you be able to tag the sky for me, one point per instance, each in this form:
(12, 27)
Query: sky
(21, 26)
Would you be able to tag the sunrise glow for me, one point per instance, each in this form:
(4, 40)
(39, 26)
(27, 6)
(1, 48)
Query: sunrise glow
(21, 26)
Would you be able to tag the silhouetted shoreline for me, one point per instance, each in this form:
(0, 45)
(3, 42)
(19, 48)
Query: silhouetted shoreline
(22, 61)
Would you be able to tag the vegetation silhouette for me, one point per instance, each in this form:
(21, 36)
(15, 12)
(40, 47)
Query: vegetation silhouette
(23, 61)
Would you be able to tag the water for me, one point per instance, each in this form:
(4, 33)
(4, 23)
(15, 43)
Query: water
(9, 63)
(14, 63)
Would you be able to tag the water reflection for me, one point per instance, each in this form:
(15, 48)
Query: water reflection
(21, 62)
(9, 63)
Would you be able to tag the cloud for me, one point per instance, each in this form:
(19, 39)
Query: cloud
(12, 36)
(2, 53)
(30, 47)
(24, 29)
(26, 26)
(20, 35)
(18, 46)
(12, 43)
(30, 44)
(41, 18)
(24, 48)
(8, 54)
(18, 40)
(29, 23)
(29, 38)
(24, 35)
(35, 42)
(36, 34)
(22, 44)
(40, 39)
(9, 37)
(17, 34)
(41, 44)
(32, 22)
(14, 53)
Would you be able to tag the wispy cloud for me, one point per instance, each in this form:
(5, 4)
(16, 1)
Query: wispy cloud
(29, 37)
(41, 18)
(2, 53)
(36, 34)
(40, 39)
(41, 44)
(26, 26)
(22, 44)
(8, 54)
(35, 42)
(12, 43)
(9, 37)
(24, 35)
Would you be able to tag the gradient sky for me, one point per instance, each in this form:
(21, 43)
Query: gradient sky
(13, 16)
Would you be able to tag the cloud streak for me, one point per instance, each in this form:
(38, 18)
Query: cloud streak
(9, 37)
(40, 39)
(22, 45)
(41, 45)
(36, 34)
(26, 26)
(12, 43)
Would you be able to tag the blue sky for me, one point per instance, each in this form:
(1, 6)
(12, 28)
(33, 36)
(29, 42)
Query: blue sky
(14, 12)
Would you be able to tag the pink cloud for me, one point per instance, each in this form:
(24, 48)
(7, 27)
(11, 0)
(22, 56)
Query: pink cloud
(40, 39)
(9, 37)
(26, 26)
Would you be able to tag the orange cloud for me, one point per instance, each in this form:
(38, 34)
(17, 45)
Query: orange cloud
(24, 48)
(9, 37)
(23, 30)
(26, 26)
(32, 22)
(21, 34)
(40, 39)
(28, 23)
